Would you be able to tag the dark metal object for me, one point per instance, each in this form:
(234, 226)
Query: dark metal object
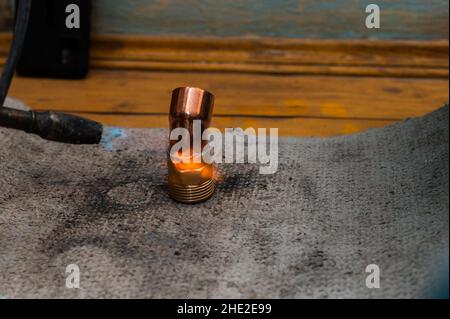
(51, 48)
(53, 126)
(20, 31)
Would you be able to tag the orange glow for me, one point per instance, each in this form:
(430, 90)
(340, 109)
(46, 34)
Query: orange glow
(185, 163)
(188, 166)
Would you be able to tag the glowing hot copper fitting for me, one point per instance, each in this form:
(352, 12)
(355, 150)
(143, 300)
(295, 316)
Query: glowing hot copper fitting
(190, 182)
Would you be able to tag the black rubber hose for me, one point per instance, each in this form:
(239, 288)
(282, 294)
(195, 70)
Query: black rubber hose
(20, 32)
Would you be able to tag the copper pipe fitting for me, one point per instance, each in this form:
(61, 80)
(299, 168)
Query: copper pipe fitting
(190, 182)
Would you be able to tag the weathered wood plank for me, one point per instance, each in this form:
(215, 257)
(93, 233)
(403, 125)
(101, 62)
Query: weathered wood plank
(316, 19)
(239, 94)
(271, 50)
(320, 19)
(279, 56)
(268, 56)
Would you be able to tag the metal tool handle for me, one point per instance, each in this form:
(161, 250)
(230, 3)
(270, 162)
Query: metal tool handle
(53, 126)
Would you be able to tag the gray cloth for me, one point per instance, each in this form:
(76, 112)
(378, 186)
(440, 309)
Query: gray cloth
(335, 206)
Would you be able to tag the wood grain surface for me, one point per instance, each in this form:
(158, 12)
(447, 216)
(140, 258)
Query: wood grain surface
(303, 87)
(267, 56)
(274, 56)
(240, 94)
(313, 19)
(317, 19)
(297, 105)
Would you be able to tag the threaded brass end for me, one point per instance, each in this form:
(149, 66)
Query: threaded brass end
(190, 183)
(191, 194)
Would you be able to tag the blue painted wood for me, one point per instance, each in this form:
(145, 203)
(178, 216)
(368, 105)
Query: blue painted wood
(316, 19)
(319, 19)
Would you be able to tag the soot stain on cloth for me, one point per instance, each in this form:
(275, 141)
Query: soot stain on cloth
(122, 200)
(307, 187)
(240, 180)
(315, 259)
(190, 239)
(115, 199)
(344, 153)
(109, 210)
(263, 243)
(303, 186)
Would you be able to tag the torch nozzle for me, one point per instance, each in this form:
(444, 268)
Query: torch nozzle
(53, 126)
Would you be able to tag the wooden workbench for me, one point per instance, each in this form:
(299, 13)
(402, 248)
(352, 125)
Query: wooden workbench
(303, 87)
